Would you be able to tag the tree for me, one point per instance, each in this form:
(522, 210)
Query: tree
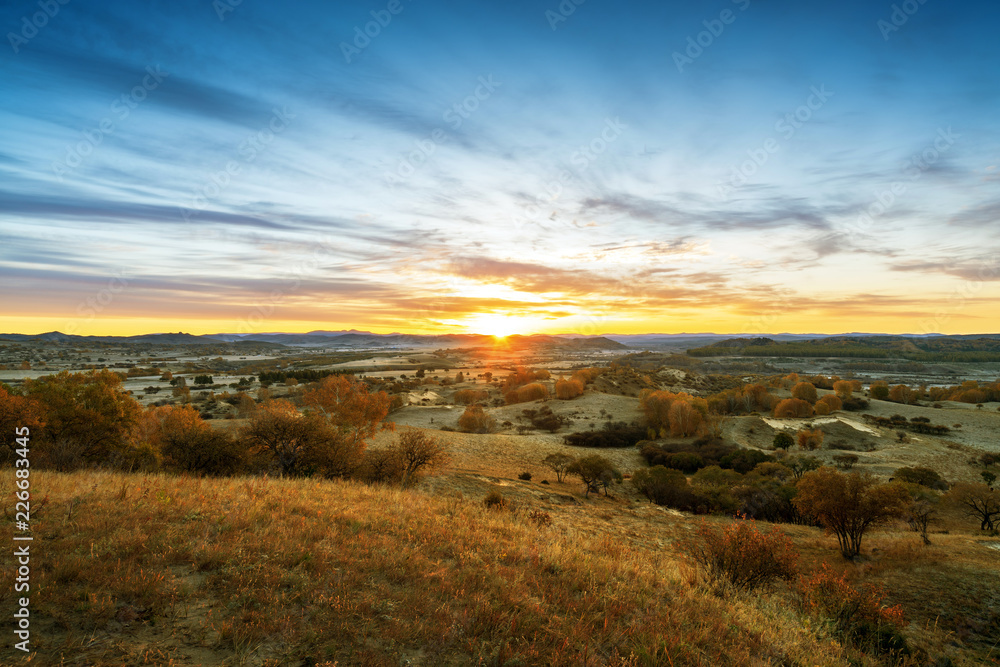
(661, 485)
(347, 405)
(568, 389)
(459, 377)
(810, 440)
(843, 389)
(783, 440)
(804, 391)
(189, 443)
(880, 390)
(793, 407)
(416, 451)
(849, 504)
(802, 464)
(979, 502)
(88, 418)
(832, 401)
(475, 420)
(300, 444)
(16, 411)
(559, 464)
(594, 471)
(684, 419)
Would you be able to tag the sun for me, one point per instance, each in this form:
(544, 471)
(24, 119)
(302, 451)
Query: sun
(498, 326)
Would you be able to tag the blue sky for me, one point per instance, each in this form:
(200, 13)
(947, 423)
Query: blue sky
(739, 166)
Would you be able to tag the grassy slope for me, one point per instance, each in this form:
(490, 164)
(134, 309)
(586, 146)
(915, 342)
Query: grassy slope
(134, 569)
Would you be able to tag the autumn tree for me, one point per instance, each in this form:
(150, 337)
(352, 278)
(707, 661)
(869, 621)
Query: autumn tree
(782, 440)
(559, 464)
(470, 396)
(568, 389)
(810, 440)
(594, 471)
(793, 407)
(831, 401)
(349, 407)
(475, 420)
(805, 391)
(16, 411)
(879, 390)
(188, 443)
(684, 419)
(978, 501)
(300, 444)
(88, 418)
(849, 504)
(417, 451)
(843, 389)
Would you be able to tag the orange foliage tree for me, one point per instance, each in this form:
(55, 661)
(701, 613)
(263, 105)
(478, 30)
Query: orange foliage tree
(189, 443)
(843, 388)
(805, 391)
(810, 440)
(793, 407)
(832, 403)
(684, 419)
(347, 404)
(567, 389)
(475, 420)
(88, 418)
(469, 396)
(849, 504)
(300, 444)
(529, 392)
(16, 411)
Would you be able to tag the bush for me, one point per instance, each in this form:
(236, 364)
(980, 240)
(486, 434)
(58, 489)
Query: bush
(810, 440)
(859, 615)
(529, 392)
(494, 500)
(662, 486)
(744, 556)
(617, 434)
(744, 460)
(793, 407)
(804, 391)
(686, 462)
(470, 396)
(783, 440)
(922, 476)
(525, 476)
(475, 420)
(568, 389)
(845, 461)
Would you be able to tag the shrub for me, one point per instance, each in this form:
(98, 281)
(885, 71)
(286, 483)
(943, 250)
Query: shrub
(831, 401)
(616, 434)
(525, 476)
(783, 440)
(793, 407)
(880, 390)
(686, 462)
(843, 389)
(568, 389)
(663, 486)
(804, 391)
(540, 518)
(845, 461)
(859, 615)
(922, 476)
(470, 396)
(529, 392)
(810, 440)
(475, 420)
(495, 500)
(744, 556)
(744, 460)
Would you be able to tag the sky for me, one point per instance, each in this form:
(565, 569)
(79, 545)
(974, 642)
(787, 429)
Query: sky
(729, 166)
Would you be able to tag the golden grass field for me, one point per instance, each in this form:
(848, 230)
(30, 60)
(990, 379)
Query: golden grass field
(166, 570)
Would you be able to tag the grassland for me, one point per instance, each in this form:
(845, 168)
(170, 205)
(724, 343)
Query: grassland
(167, 570)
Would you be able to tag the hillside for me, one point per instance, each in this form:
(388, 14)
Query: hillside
(153, 569)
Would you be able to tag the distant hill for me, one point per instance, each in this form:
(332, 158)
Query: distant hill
(983, 348)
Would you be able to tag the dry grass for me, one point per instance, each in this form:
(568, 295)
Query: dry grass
(132, 569)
